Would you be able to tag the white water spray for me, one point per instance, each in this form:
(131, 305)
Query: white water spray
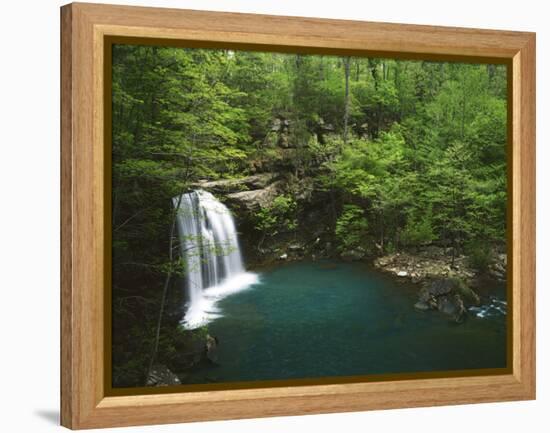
(210, 249)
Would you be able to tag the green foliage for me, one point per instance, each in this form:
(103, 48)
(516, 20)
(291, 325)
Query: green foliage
(418, 230)
(480, 255)
(278, 216)
(200, 333)
(460, 287)
(431, 163)
(351, 228)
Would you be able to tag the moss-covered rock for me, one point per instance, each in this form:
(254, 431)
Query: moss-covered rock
(447, 295)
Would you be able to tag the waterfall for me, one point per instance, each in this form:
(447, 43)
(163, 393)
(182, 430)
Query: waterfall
(210, 250)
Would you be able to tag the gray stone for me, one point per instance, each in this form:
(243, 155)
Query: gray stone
(257, 181)
(421, 305)
(211, 348)
(446, 305)
(442, 286)
(160, 375)
(295, 247)
(253, 200)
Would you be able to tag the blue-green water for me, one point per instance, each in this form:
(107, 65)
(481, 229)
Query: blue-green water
(325, 319)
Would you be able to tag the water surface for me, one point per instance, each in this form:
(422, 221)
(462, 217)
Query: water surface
(325, 319)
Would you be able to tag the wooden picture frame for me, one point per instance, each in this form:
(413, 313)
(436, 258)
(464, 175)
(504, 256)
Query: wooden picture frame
(85, 28)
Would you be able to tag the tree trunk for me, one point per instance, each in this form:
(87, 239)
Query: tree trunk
(463, 108)
(165, 288)
(382, 232)
(168, 275)
(347, 63)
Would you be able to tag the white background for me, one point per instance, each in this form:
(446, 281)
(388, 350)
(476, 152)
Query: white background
(29, 226)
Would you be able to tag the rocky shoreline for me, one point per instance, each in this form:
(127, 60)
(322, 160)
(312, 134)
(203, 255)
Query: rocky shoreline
(431, 263)
(447, 285)
(435, 262)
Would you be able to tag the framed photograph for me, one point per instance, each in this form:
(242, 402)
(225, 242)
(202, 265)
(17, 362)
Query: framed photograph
(266, 216)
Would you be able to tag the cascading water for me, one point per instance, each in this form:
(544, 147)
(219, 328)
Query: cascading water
(210, 249)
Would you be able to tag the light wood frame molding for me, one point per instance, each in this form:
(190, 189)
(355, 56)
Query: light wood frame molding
(84, 27)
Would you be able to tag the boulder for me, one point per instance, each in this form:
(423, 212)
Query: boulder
(257, 181)
(446, 295)
(253, 200)
(421, 305)
(442, 286)
(355, 254)
(295, 247)
(160, 375)
(497, 269)
(211, 348)
(193, 348)
(276, 125)
(446, 305)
